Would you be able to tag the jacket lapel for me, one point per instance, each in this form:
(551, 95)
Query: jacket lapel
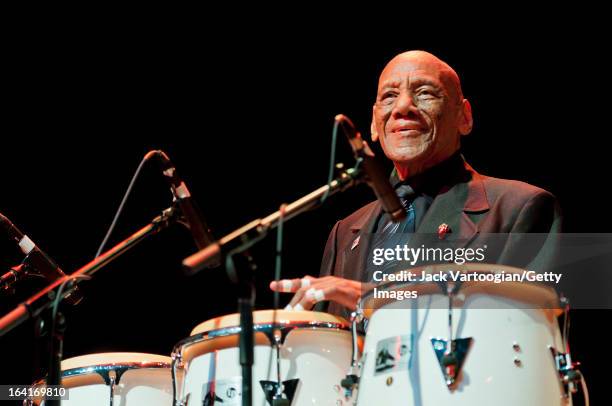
(356, 254)
(450, 207)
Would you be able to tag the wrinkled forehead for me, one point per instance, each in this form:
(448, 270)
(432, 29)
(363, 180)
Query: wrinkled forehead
(401, 70)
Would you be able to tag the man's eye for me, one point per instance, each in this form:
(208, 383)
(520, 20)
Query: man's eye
(387, 98)
(426, 94)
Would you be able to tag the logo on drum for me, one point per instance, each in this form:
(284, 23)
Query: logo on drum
(393, 354)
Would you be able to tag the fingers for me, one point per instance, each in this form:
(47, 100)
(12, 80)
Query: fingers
(305, 300)
(339, 290)
(308, 291)
(291, 285)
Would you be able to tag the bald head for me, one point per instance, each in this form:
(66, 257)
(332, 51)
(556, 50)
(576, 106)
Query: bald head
(427, 62)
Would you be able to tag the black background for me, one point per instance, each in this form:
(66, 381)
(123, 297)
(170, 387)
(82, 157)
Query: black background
(245, 113)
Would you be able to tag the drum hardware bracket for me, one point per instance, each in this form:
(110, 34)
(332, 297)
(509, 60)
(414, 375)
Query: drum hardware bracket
(451, 353)
(280, 387)
(351, 381)
(451, 359)
(113, 378)
(279, 394)
(569, 374)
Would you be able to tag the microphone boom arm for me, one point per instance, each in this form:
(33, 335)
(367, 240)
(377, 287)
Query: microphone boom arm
(36, 304)
(247, 235)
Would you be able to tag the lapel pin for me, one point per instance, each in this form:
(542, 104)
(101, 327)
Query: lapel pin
(443, 229)
(355, 242)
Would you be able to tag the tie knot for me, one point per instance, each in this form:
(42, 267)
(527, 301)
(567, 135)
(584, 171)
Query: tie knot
(405, 192)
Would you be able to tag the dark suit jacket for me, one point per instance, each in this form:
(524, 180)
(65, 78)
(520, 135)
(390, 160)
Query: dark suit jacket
(473, 206)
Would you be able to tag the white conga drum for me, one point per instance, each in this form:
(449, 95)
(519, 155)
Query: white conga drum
(314, 351)
(503, 337)
(119, 379)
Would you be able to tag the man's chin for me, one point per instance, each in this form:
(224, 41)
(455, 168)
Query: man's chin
(410, 162)
(408, 156)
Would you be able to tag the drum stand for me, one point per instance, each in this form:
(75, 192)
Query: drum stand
(241, 269)
(242, 276)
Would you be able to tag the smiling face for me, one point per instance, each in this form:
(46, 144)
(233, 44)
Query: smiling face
(419, 114)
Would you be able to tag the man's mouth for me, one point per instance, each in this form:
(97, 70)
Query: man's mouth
(407, 132)
(407, 129)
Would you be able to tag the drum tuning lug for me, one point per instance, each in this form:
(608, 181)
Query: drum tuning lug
(451, 359)
(177, 359)
(349, 383)
(357, 316)
(569, 374)
(112, 376)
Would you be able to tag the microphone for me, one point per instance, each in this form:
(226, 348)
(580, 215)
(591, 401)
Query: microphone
(194, 220)
(375, 174)
(11, 277)
(35, 260)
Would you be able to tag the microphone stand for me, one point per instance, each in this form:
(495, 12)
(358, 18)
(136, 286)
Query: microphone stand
(239, 241)
(43, 300)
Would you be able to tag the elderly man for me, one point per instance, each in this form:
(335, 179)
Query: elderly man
(419, 117)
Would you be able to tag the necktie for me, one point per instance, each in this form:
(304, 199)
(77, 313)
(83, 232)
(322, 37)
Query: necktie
(389, 235)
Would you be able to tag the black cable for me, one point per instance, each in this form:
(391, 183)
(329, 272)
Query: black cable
(332, 160)
(146, 158)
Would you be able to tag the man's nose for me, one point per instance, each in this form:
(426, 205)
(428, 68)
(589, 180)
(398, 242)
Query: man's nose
(404, 105)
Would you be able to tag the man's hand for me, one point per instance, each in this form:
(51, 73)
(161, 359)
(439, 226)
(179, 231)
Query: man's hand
(309, 291)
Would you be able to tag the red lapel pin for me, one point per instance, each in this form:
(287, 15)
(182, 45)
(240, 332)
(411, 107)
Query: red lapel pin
(443, 229)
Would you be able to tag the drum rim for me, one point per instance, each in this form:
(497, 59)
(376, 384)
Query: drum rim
(114, 365)
(267, 316)
(265, 328)
(111, 366)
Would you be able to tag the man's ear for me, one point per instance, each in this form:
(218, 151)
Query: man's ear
(466, 122)
(373, 131)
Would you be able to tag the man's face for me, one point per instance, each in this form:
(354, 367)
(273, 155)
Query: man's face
(416, 113)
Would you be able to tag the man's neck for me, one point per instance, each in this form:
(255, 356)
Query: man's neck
(436, 176)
